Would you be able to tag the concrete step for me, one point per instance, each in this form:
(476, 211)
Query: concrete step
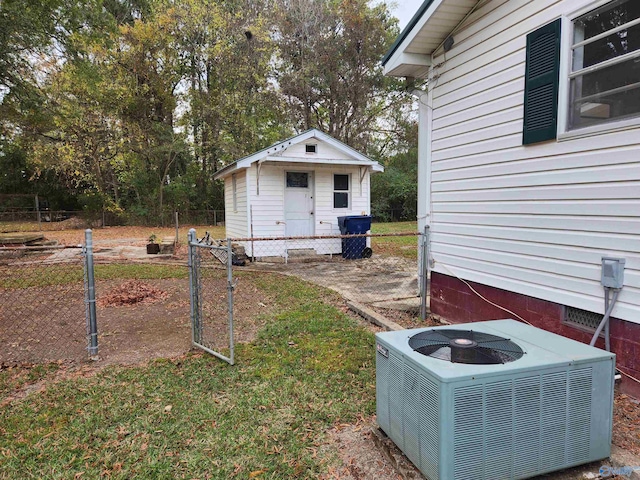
(301, 252)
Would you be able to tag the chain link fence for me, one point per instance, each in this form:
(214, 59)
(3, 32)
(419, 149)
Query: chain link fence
(235, 282)
(44, 299)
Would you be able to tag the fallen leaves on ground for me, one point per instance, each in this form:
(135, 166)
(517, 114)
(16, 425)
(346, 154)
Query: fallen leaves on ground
(132, 292)
(626, 423)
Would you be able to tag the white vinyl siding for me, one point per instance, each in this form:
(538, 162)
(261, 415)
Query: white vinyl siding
(268, 209)
(236, 212)
(531, 219)
(268, 206)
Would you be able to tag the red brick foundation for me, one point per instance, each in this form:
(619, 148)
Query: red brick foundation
(452, 300)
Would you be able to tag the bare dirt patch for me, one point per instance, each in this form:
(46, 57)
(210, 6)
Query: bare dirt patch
(129, 235)
(365, 457)
(131, 333)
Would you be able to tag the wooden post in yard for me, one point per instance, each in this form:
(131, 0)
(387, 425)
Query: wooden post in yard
(177, 232)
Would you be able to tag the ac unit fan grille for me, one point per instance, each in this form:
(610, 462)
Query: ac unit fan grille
(465, 346)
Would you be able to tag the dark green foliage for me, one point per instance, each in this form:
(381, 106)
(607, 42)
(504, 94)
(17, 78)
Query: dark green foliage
(129, 106)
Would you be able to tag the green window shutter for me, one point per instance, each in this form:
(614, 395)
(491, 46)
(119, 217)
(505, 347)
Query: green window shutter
(541, 84)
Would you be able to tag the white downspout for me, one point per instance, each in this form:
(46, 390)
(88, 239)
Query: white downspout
(424, 157)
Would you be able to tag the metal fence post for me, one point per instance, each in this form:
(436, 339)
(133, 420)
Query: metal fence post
(230, 297)
(424, 273)
(91, 294)
(193, 289)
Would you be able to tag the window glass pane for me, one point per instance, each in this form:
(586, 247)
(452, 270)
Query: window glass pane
(610, 93)
(310, 148)
(340, 200)
(341, 182)
(297, 179)
(599, 21)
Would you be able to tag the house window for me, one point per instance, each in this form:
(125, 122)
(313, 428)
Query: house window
(605, 64)
(341, 191)
(234, 189)
(311, 148)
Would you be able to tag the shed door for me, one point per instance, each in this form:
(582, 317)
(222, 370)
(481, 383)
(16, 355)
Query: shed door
(298, 203)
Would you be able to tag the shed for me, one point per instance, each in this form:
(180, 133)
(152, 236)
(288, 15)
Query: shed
(296, 188)
(529, 159)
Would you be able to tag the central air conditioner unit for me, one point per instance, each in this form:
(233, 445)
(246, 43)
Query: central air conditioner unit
(493, 400)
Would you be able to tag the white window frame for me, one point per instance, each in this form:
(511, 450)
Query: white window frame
(564, 90)
(347, 191)
(315, 148)
(234, 189)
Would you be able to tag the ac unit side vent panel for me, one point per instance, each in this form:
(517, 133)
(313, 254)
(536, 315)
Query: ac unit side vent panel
(526, 426)
(468, 428)
(579, 428)
(396, 400)
(554, 420)
(430, 431)
(498, 427)
(411, 415)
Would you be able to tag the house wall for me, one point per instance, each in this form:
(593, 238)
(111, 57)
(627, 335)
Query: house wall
(454, 300)
(268, 207)
(236, 220)
(534, 219)
(527, 225)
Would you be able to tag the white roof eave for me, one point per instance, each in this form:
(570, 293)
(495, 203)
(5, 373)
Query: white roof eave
(408, 56)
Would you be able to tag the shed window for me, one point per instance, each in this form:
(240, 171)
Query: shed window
(341, 191)
(605, 64)
(234, 188)
(297, 180)
(311, 148)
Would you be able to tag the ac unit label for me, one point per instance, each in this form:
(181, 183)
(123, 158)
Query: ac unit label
(382, 351)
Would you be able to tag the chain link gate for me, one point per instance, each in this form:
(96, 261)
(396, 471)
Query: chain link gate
(210, 281)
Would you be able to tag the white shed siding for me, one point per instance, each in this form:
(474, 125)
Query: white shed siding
(537, 219)
(236, 220)
(324, 151)
(268, 207)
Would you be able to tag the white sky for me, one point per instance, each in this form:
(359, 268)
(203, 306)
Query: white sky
(405, 9)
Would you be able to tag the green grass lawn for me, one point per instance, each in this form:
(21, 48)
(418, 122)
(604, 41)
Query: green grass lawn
(398, 246)
(310, 368)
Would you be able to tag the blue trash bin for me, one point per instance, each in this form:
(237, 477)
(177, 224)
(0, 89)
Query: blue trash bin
(354, 224)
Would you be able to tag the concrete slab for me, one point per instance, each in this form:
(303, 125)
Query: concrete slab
(366, 281)
(19, 238)
(402, 304)
(373, 316)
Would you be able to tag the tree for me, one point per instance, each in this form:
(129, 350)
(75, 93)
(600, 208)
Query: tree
(233, 106)
(394, 192)
(329, 70)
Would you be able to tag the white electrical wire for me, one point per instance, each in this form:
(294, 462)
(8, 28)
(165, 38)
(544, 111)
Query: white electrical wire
(483, 298)
(509, 311)
(627, 375)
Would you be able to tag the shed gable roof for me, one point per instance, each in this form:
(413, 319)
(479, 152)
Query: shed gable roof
(272, 153)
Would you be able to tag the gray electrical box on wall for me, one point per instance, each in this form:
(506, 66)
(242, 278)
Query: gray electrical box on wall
(612, 272)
